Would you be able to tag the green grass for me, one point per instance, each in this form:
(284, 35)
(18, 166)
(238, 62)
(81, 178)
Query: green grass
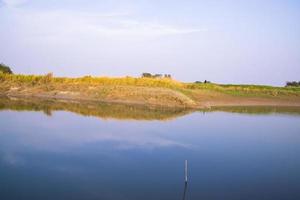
(246, 90)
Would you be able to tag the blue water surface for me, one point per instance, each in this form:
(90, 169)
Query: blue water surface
(68, 156)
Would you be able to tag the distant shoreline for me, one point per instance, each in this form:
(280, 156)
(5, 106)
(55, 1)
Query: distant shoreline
(162, 92)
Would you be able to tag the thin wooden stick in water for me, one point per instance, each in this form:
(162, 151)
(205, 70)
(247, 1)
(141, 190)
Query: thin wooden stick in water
(186, 172)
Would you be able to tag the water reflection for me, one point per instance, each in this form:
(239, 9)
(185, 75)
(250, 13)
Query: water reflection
(129, 112)
(102, 110)
(184, 191)
(255, 110)
(69, 156)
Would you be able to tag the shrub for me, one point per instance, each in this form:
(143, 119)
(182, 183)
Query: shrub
(146, 75)
(168, 76)
(47, 78)
(292, 84)
(149, 75)
(5, 69)
(157, 76)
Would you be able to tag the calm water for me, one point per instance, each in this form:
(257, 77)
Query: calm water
(48, 152)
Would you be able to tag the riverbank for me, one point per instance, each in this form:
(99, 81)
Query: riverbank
(162, 92)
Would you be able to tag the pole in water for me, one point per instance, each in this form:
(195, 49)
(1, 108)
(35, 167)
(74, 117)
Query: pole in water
(186, 171)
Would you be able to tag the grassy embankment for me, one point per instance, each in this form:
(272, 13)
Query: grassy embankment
(147, 91)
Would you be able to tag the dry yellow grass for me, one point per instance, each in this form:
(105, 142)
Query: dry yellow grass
(150, 91)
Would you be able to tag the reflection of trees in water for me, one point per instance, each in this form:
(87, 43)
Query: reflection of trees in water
(102, 110)
(127, 112)
(47, 112)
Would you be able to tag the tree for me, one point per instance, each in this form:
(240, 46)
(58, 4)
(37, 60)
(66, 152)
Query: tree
(5, 69)
(146, 75)
(168, 76)
(149, 75)
(157, 76)
(292, 84)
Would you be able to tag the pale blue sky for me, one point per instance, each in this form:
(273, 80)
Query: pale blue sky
(225, 41)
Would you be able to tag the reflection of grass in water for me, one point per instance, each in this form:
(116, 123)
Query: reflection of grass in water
(127, 112)
(256, 109)
(102, 110)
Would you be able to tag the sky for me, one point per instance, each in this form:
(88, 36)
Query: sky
(223, 41)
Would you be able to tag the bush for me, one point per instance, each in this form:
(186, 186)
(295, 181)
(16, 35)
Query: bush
(199, 82)
(146, 75)
(5, 69)
(292, 84)
(47, 78)
(168, 76)
(157, 76)
(149, 75)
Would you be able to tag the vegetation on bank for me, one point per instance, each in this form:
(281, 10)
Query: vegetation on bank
(247, 90)
(149, 75)
(292, 84)
(143, 90)
(48, 79)
(5, 69)
(160, 92)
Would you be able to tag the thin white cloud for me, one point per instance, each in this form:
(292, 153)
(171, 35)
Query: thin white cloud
(65, 24)
(13, 3)
(138, 28)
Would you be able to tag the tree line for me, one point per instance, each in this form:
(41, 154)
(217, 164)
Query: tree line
(292, 84)
(149, 75)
